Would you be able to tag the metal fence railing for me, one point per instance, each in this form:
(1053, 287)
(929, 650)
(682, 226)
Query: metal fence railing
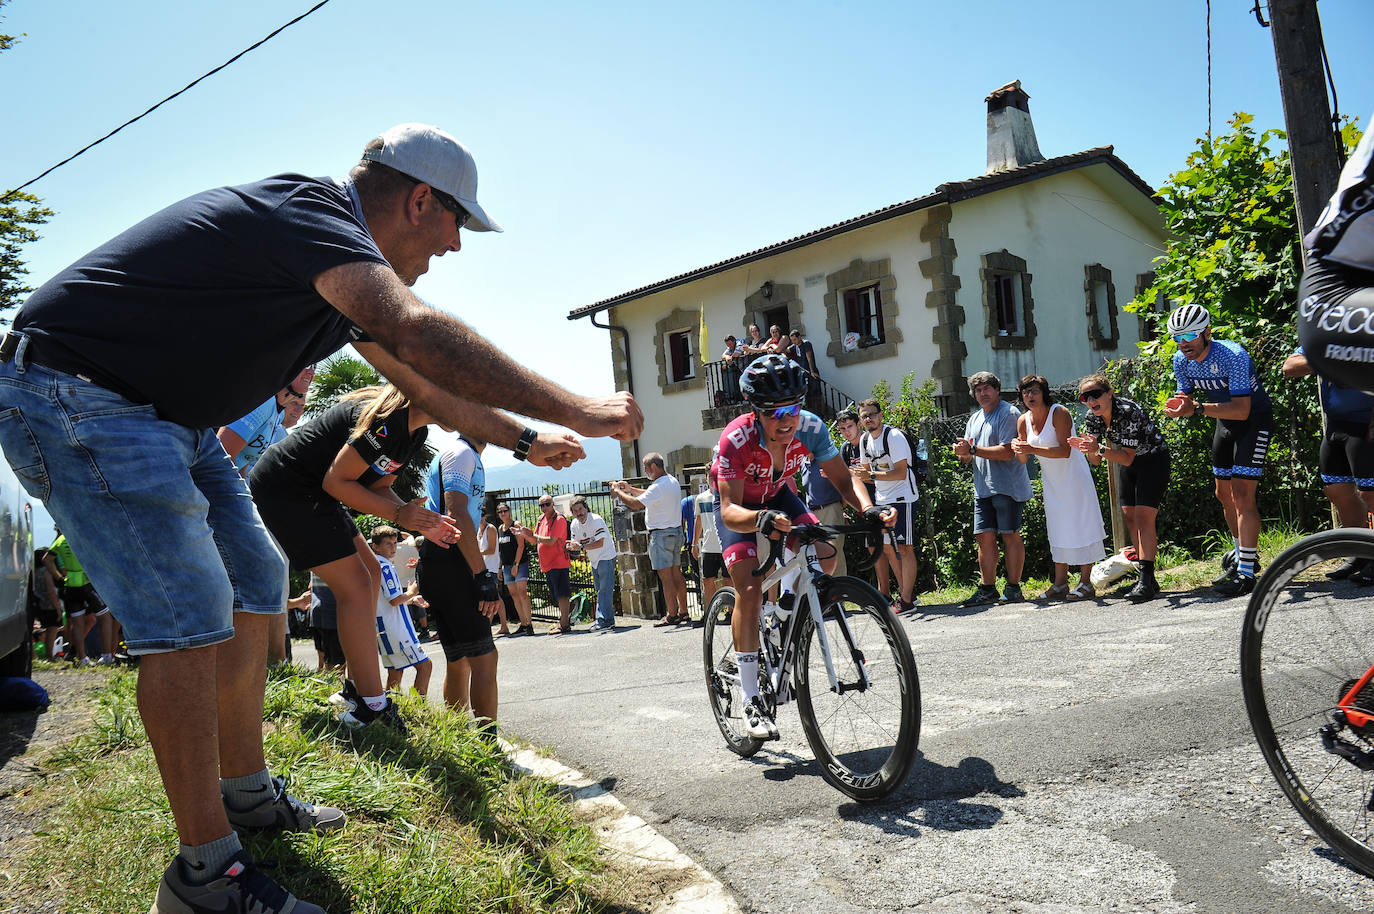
(524, 504)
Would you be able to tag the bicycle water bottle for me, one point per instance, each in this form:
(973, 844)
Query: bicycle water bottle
(772, 629)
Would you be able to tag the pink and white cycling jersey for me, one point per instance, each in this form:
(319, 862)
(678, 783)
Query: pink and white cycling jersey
(744, 456)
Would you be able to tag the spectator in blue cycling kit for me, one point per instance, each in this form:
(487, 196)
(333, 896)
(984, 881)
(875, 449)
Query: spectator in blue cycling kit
(1346, 458)
(1224, 373)
(760, 452)
(1336, 298)
(246, 438)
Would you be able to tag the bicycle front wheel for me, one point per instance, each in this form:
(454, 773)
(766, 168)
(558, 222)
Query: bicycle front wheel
(865, 727)
(1308, 640)
(722, 675)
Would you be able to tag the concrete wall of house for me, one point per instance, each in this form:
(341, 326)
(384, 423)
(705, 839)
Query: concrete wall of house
(1058, 225)
(673, 419)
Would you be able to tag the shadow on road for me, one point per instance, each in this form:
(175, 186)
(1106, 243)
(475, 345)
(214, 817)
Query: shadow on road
(940, 797)
(935, 796)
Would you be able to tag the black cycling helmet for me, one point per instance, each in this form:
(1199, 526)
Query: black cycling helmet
(774, 380)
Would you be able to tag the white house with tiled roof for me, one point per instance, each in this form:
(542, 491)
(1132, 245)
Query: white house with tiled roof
(1022, 270)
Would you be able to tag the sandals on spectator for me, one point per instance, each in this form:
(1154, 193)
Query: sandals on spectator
(1083, 591)
(666, 621)
(1057, 591)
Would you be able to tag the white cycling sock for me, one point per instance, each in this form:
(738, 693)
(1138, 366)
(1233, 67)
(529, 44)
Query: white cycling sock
(748, 663)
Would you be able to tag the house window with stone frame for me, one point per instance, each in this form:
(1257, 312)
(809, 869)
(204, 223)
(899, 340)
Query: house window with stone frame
(863, 314)
(1100, 299)
(1007, 302)
(1008, 308)
(680, 346)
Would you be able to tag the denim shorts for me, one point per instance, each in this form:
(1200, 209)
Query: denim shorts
(665, 547)
(164, 525)
(516, 573)
(999, 513)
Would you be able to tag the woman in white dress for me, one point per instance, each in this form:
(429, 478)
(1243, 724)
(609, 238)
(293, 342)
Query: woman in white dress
(1073, 517)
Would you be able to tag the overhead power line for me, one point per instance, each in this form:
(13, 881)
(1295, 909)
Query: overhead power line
(273, 34)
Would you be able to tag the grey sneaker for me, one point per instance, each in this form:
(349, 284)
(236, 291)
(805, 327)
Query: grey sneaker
(240, 887)
(985, 594)
(279, 810)
(362, 715)
(1012, 594)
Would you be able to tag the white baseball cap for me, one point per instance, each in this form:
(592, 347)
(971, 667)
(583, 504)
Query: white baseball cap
(431, 156)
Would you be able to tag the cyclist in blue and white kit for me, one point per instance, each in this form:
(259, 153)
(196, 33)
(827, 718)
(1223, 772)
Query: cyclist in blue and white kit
(1223, 372)
(760, 453)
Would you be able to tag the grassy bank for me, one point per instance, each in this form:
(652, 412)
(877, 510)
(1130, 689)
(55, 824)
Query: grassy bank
(438, 821)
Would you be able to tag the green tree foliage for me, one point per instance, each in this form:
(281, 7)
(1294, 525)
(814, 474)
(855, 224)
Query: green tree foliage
(1233, 247)
(335, 377)
(19, 213)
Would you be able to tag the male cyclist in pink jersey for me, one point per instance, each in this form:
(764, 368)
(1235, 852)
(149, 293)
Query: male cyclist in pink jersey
(760, 453)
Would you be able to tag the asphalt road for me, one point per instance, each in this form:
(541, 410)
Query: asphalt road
(1073, 758)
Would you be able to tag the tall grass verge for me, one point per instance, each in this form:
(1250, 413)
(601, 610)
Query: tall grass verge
(438, 821)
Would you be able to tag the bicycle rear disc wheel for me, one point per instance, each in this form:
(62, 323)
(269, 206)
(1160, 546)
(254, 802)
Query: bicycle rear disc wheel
(864, 736)
(722, 675)
(1307, 640)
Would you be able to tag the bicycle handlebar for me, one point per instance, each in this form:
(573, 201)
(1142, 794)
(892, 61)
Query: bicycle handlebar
(820, 533)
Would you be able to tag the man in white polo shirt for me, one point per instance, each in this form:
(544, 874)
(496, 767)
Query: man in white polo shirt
(662, 507)
(590, 536)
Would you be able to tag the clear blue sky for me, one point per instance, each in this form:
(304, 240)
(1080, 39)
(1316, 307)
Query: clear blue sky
(618, 143)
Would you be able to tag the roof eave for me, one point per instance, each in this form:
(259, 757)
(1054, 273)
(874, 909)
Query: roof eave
(949, 192)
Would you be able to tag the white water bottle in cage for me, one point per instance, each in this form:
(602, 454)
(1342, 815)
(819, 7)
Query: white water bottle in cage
(772, 627)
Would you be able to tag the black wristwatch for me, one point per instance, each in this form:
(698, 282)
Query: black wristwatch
(522, 447)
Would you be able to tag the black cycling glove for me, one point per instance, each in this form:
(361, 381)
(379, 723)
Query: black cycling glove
(767, 521)
(487, 591)
(873, 515)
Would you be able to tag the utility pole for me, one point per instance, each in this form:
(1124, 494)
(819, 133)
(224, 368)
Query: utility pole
(1297, 33)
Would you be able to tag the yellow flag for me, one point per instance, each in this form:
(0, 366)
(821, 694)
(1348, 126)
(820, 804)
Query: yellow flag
(705, 337)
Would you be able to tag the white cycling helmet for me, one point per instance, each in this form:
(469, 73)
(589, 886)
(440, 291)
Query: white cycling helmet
(1188, 318)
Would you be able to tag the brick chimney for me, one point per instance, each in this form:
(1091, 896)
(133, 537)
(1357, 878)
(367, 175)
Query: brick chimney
(1011, 135)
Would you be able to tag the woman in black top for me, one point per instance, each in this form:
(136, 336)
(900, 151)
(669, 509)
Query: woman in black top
(348, 456)
(1121, 431)
(515, 568)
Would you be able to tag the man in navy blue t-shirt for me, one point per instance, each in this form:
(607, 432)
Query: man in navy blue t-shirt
(241, 288)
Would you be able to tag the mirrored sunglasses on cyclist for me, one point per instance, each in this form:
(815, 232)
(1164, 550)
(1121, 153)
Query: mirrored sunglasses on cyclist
(1093, 394)
(1187, 337)
(784, 411)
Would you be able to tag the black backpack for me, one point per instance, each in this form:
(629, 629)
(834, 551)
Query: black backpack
(917, 469)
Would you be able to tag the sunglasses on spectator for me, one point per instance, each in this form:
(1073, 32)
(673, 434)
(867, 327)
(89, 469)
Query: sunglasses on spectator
(453, 206)
(1187, 337)
(503, 510)
(1093, 394)
(783, 412)
(290, 392)
(546, 504)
